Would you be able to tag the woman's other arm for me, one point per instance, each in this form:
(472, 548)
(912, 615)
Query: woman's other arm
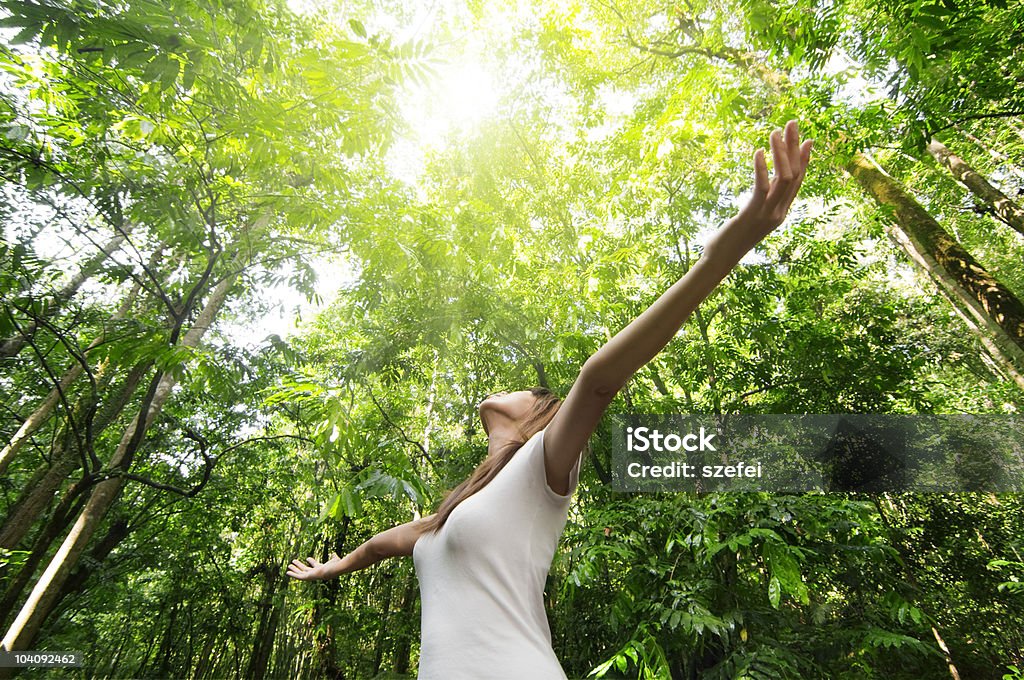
(608, 370)
(639, 342)
(393, 542)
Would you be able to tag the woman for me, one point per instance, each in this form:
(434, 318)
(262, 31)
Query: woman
(483, 557)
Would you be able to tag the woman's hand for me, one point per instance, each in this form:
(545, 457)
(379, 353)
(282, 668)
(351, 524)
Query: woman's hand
(620, 358)
(314, 571)
(770, 201)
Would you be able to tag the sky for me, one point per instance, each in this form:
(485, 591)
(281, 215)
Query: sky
(466, 91)
(462, 94)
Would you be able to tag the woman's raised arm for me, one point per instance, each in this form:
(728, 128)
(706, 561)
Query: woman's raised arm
(390, 543)
(608, 370)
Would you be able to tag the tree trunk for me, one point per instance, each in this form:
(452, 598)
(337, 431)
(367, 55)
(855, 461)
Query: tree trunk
(40, 602)
(118, 531)
(203, 665)
(43, 411)
(140, 670)
(1003, 207)
(953, 672)
(323, 642)
(992, 311)
(9, 347)
(36, 498)
(273, 627)
(38, 416)
(58, 523)
(111, 670)
(382, 628)
(33, 481)
(995, 154)
(403, 648)
(284, 659)
(998, 316)
(163, 654)
(263, 641)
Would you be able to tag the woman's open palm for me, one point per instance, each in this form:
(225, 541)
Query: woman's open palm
(770, 202)
(313, 571)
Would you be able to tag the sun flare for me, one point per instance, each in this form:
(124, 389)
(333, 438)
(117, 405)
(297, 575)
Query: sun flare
(461, 95)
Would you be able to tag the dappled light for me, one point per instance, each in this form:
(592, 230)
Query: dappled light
(320, 322)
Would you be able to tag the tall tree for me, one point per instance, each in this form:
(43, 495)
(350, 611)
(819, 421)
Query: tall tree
(1002, 206)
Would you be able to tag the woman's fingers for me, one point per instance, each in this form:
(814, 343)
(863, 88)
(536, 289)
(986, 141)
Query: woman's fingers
(301, 570)
(791, 159)
(803, 158)
(771, 199)
(793, 146)
(780, 156)
(761, 183)
(303, 573)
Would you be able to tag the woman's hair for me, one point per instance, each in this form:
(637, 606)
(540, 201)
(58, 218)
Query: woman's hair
(545, 408)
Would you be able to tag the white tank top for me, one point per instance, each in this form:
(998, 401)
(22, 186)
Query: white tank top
(482, 577)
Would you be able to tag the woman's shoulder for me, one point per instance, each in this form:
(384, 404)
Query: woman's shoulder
(535, 468)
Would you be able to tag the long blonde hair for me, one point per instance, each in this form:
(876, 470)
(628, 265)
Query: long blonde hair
(537, 418)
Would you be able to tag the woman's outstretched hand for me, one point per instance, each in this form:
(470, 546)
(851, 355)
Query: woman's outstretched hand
(314, 571)
(770, 201)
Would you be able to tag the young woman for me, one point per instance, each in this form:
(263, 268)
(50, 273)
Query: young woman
(482, 558)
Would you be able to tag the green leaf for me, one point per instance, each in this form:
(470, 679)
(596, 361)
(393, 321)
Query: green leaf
(25, 35)
(932, 22)
(357, 27)
(350, 504)
(189, 79)
(331, 508)
(169, 74)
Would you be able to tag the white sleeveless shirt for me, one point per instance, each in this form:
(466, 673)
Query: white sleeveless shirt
(482, 577)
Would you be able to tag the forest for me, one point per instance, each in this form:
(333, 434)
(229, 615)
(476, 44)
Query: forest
(261, 261)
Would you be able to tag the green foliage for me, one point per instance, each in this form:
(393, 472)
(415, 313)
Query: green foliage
(237, 143)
